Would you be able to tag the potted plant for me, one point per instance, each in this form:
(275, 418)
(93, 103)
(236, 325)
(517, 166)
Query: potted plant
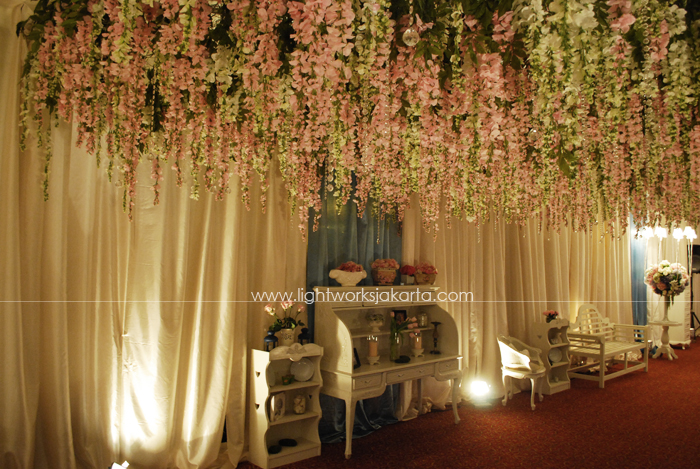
(287, 323)
(407, 273)
(425, 274)
(384, 271)
(348, 274)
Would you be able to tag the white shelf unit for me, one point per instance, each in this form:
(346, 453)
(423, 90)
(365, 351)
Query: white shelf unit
(267, 370)
(547, 336)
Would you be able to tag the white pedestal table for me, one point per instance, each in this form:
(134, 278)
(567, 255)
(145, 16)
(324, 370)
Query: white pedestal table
(665, 346)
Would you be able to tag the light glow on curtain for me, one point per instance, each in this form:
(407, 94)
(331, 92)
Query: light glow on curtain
(469, 259)
(124, 340)
(515, 273)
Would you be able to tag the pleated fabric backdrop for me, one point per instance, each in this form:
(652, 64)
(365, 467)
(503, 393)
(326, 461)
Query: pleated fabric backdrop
(469, 259)
(515, 273)
(125, 340)
(128, 340)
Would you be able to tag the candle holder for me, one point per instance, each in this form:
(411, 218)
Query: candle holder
(436, 335)
(373, 350)
(417, 344)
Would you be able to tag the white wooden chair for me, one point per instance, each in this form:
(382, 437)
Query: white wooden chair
(520, 361)
(595, 337)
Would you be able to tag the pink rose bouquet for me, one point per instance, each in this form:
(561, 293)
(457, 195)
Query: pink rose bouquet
(385, 264)
(425, 268)
(407, 270)
(551, 315)
(350, 267)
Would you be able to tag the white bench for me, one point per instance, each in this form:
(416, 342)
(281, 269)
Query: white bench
(593, 336)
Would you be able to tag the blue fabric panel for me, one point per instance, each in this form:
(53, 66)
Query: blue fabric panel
(370, 415)
(639, 288)
(343, 236)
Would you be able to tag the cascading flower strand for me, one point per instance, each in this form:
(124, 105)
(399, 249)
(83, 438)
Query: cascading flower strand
(570, 111)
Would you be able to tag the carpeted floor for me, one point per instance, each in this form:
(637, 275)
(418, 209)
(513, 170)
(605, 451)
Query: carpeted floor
(640, 420)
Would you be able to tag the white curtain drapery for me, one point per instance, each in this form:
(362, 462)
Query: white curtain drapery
(516, 273)
(125, 340)
(128, 340)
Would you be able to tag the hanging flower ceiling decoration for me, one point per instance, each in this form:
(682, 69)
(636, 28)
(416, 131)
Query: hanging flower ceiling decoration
(573, 111)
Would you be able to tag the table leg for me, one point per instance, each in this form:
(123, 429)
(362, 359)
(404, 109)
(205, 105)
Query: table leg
(455, 397)
(420, 396)
(350, 405)
(665, 347)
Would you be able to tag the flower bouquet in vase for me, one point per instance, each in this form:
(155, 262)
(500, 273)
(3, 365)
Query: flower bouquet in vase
(286, 324)
(375, 320)
(348, 274)
(550, 315)
(425, 274)
(667, 280)
(384, 271)
(407, 273)
(398, 325)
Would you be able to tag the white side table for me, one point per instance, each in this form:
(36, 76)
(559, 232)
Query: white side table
(665, 347)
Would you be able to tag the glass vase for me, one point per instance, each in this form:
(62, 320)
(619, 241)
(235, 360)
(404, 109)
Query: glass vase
(394, 346)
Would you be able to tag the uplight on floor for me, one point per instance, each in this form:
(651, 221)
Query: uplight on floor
(480, 393)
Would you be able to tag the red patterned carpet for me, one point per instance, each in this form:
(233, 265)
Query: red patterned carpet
(640, 420)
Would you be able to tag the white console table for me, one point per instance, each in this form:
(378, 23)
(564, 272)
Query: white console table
(341, 329)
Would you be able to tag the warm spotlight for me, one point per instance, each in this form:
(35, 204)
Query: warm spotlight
(479, 388)
(480, 394)
(123, 465)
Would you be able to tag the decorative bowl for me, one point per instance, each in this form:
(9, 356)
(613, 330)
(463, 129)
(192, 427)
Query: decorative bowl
(347, 279)
(375, 321)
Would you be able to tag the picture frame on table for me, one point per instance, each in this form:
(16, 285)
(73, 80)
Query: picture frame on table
(400, 315)
(356, 359)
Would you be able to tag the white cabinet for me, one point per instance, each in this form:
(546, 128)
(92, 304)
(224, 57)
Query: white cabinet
(552, 339)
(342, 329)
(267, 427)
